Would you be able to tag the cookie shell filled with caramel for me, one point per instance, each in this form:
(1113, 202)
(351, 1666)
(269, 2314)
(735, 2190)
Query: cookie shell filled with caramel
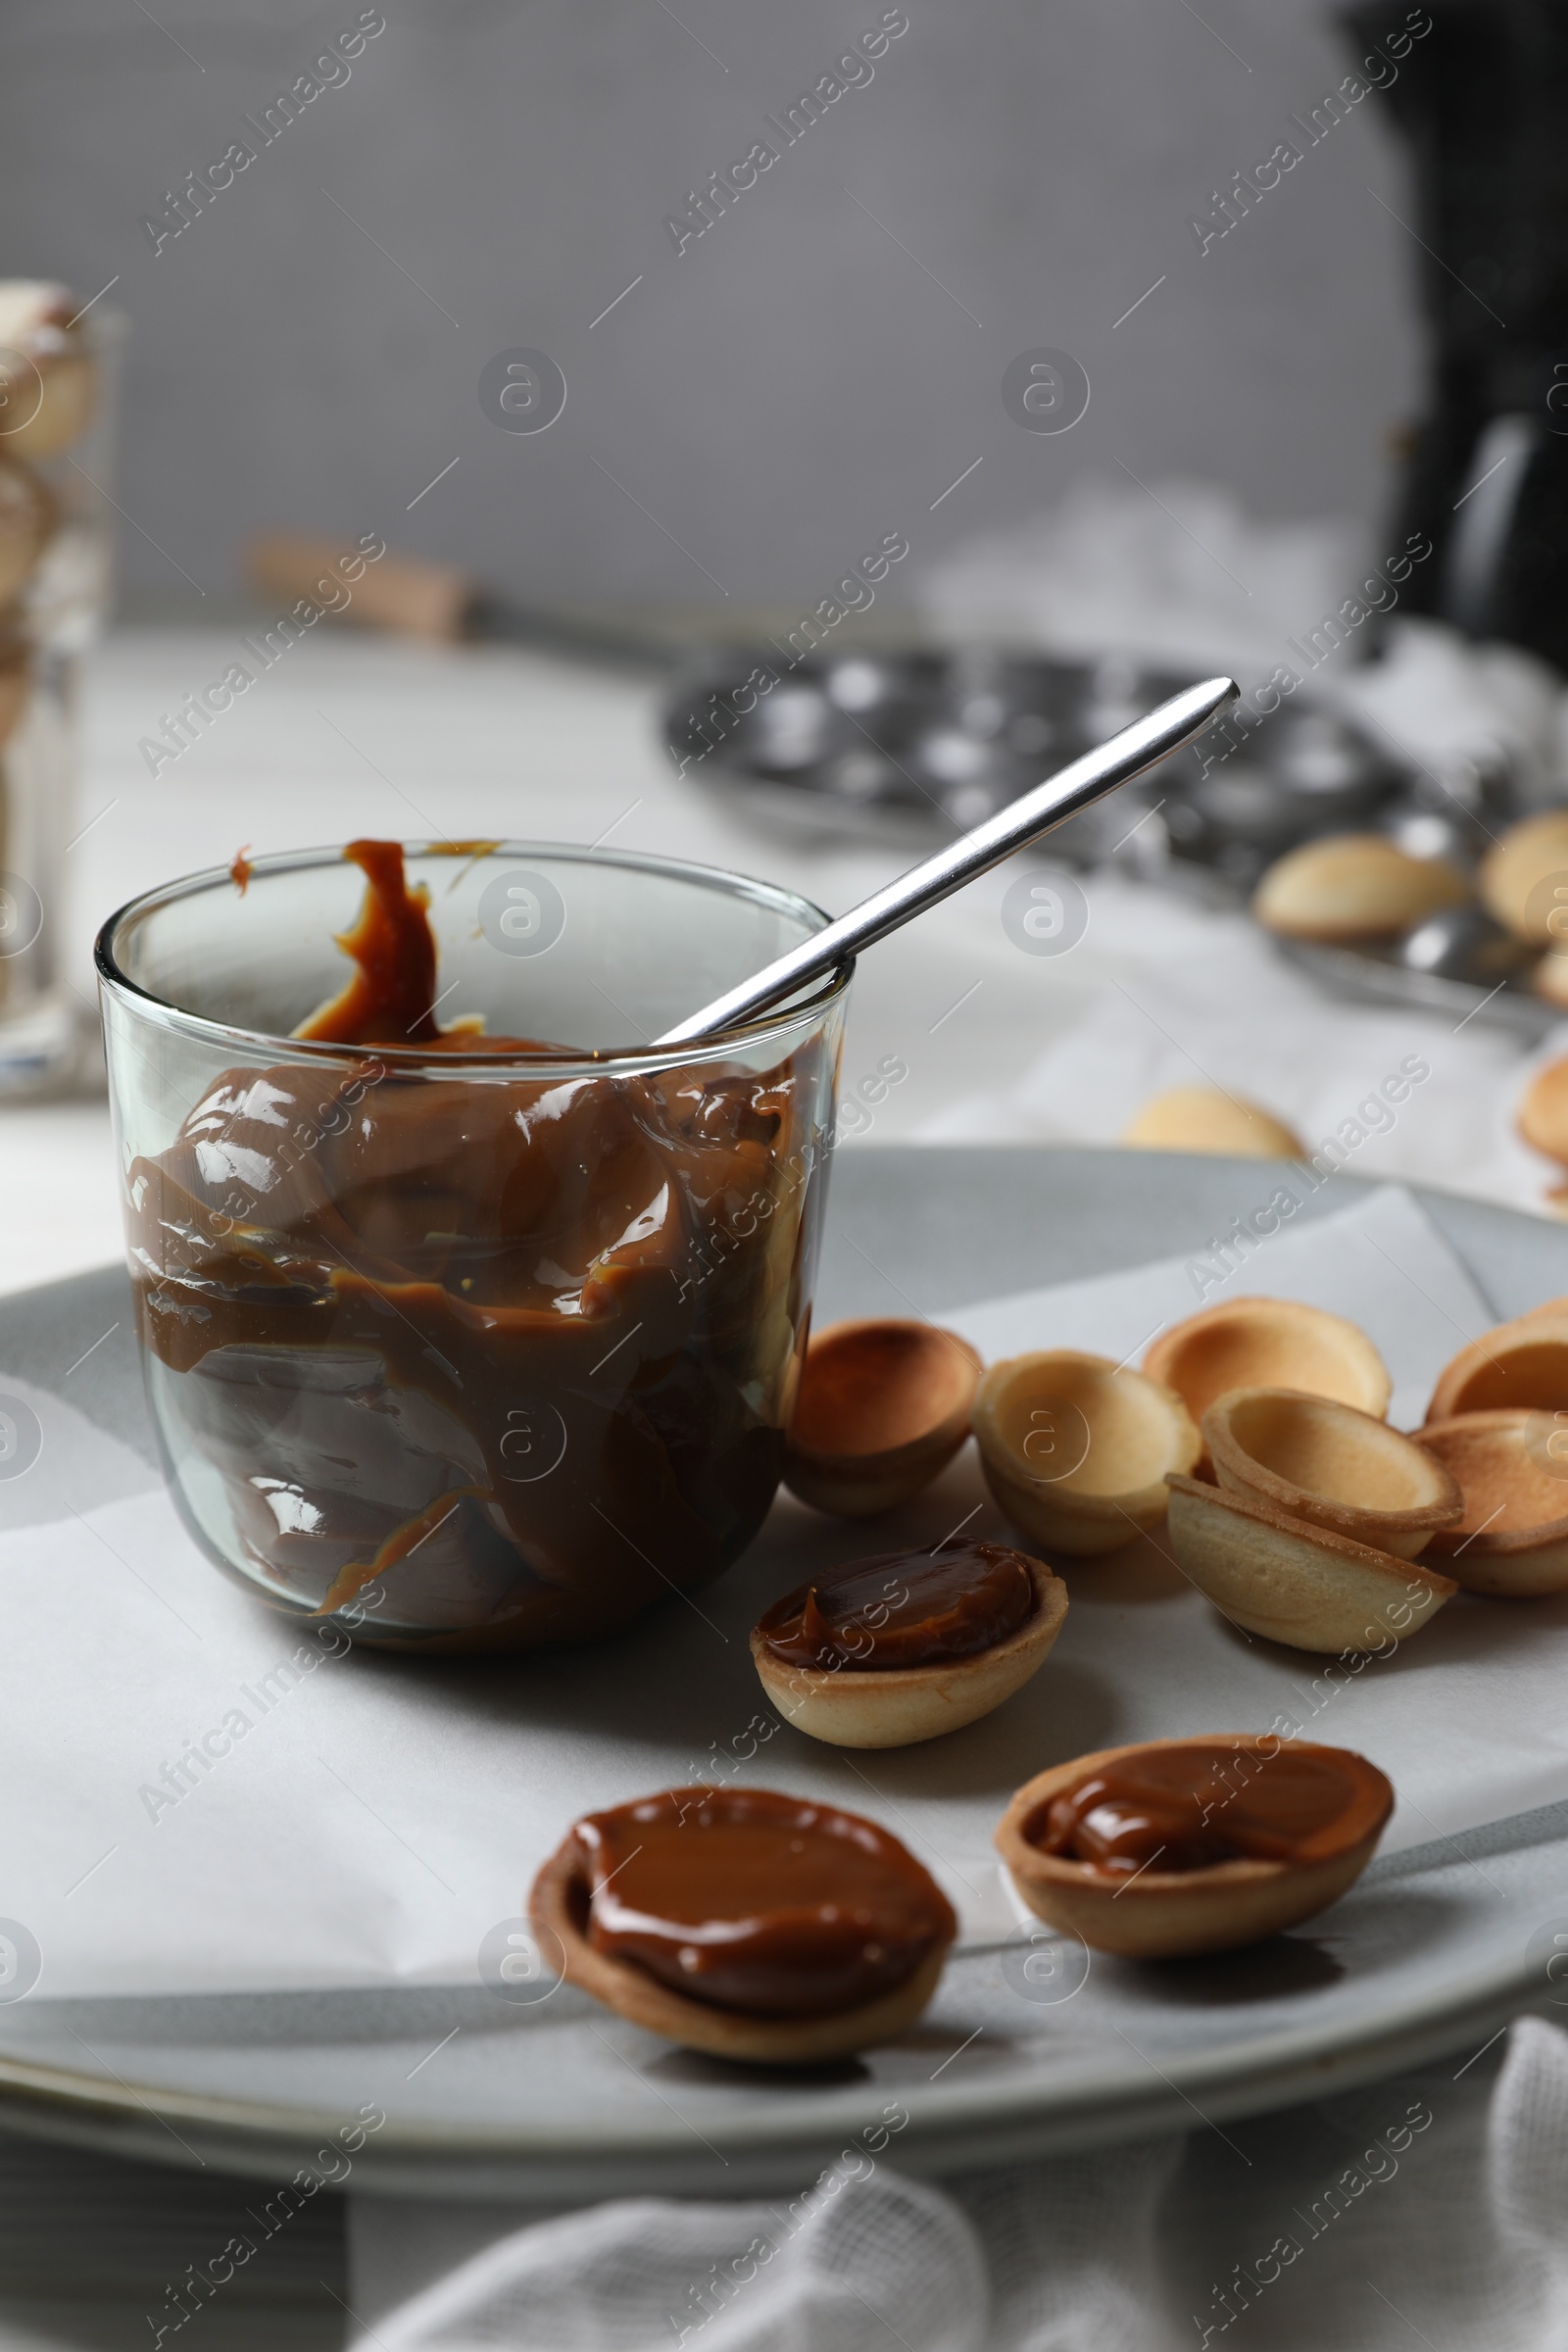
(903, 1647)
(882, 1407)
(1254, 1834)
(1512, 1470)
(753, 1926)
(1076, 1448)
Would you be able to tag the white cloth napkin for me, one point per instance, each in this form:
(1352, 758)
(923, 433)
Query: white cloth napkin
(1179, 574)
(1430, 2209)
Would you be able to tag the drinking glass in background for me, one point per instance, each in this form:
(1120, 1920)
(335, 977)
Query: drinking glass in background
(57, 414)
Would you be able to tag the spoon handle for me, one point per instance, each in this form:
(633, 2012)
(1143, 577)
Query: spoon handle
(1127, 755)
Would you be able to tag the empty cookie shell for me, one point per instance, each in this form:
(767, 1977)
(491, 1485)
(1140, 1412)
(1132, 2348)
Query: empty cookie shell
(897, 1706)
(1325, 1462)
(806, 1931)
(1522, 1365)
(48, 377)
(1293, 1581)
(1549, 978)
(1353, 886)
(1202, 1118)
(1512, 1470)
(1076, 1448)
(1511, 876)
(1291, 1826)
(1267, 1343)
(881, 1409)
(1543, 1118)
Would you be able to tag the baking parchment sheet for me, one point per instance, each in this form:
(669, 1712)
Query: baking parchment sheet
(205, 1795)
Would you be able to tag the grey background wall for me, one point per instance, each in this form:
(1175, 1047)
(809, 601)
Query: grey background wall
(811, 373)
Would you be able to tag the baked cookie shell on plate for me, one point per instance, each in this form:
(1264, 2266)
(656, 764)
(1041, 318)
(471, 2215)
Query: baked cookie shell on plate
(1293, 1582)
(881, 1409)
(1076, 1448)
(1512, 1468)
(904, 1705)
(1170, 1914)
(1316, 1459)
(558, 1907)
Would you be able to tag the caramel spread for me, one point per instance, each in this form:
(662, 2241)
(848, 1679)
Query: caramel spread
(758, 1902)
(391, 998)
(1184, 1808)
(904, 1608)
(503, 1359)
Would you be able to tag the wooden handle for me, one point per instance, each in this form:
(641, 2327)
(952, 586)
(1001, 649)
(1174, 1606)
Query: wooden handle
(394, 592)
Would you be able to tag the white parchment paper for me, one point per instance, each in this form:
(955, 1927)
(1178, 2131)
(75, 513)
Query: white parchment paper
(202, 1794)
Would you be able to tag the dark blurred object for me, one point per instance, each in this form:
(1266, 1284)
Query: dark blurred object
(870, 743)
(888, 745)
(854, 740)
(1483, 99)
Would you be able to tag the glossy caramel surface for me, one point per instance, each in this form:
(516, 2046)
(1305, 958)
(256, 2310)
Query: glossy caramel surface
(1188, 1806)
(760, 1902)
(496, 1356)
(904, 1608)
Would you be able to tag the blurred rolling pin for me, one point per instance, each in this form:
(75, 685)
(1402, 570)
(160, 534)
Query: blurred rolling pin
(414, 599)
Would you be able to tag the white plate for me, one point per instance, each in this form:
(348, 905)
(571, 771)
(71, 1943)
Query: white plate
(1432, 1951)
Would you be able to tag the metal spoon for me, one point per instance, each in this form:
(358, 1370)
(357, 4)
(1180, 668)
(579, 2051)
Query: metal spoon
(1127, 755)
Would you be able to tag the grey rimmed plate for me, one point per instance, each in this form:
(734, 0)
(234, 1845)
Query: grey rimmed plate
(1431, 1952)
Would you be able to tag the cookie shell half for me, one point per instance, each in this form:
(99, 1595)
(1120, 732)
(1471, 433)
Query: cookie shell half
(912, 1703)
(1161, 1914)
(1295, 1583)
(558, 1906)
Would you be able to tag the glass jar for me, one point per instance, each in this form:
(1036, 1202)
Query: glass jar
(57, 516)
(484, 1349)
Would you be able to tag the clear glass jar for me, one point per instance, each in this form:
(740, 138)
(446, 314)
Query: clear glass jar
(57, 517)
(477, 1349)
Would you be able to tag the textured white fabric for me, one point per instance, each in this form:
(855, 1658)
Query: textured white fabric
(1431, 2208)
(1528, 2175)
(850, 2263)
